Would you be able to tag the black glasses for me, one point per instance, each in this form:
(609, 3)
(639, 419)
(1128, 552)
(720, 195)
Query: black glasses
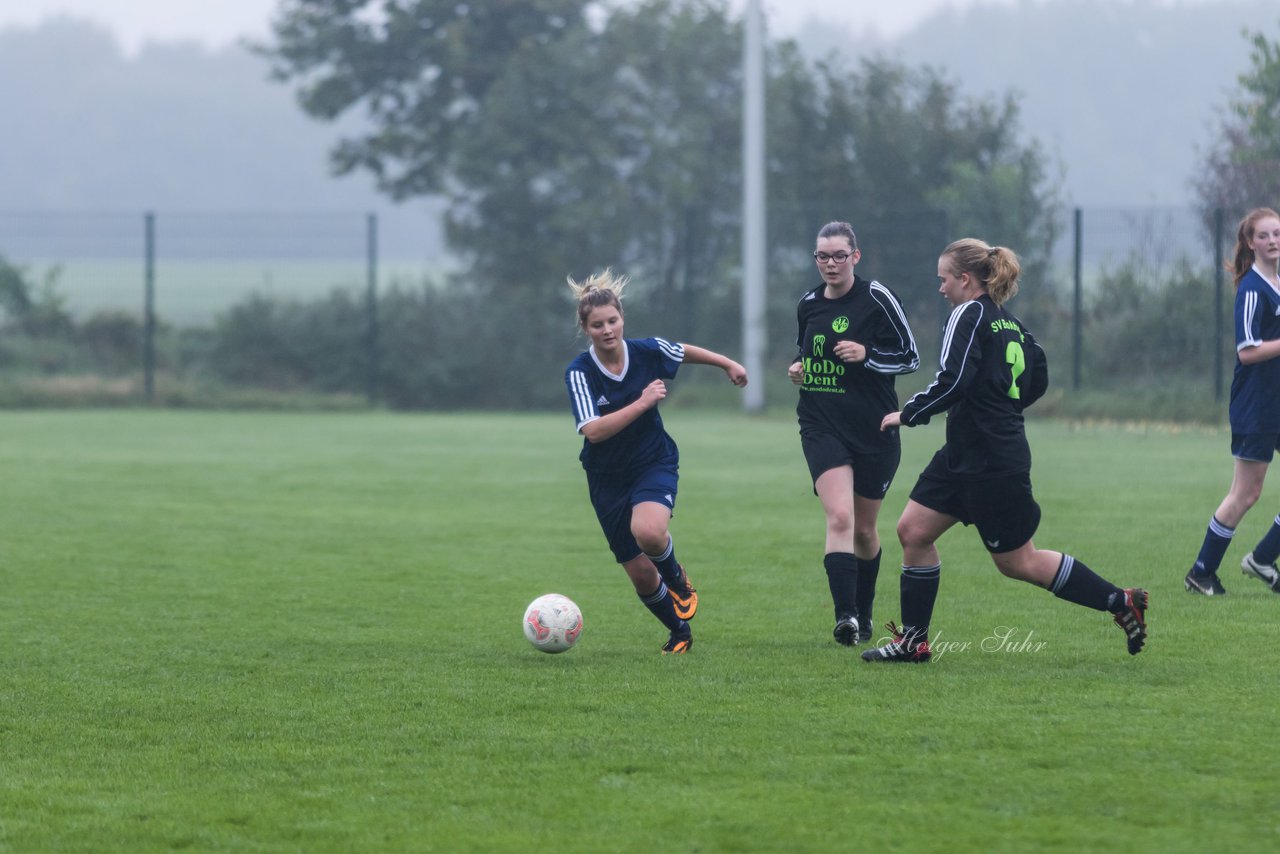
(838, 257)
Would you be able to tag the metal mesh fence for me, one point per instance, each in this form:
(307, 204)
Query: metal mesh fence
(1150, 303)
(201, 263)
(1127, 300)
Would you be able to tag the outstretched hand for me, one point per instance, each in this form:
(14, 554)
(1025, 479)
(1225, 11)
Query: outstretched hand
(737, 374)
(893, 419)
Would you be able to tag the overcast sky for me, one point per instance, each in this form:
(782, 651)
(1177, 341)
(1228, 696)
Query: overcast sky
(220, 22)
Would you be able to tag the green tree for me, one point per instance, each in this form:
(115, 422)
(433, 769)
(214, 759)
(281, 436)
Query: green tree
(562, 146)
(568, 136)
(33, 308)
(1242, 169)
(500, 107)
(422, 71)
(912, 163)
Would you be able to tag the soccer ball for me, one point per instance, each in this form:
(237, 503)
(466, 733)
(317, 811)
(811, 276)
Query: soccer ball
(552, 623)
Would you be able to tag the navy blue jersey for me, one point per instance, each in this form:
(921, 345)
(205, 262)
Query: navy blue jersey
(992, 369)
(1255, 389)
(850, 400)
(594, 392)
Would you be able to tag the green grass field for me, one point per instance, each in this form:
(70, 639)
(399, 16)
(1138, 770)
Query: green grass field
(293, 632)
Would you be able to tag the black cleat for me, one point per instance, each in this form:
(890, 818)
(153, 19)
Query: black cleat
(1132, 619)
(903, 648)
(846, 631)
(1206, 584)
(680, 641)
(684, 597)
(864, 629)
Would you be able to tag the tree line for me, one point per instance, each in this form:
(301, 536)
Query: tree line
(566, 139)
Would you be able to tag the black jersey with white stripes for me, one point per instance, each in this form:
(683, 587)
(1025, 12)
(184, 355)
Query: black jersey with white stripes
(991, 370)
(850, 400)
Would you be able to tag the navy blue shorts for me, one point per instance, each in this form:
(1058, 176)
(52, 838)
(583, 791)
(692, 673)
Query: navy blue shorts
(1255, 447)
(1001, 508)
(613, 496)
(872, 473)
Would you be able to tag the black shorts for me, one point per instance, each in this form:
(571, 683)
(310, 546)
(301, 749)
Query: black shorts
(1254, 447)
(1001, 508)
(872, 473)
(614, 496)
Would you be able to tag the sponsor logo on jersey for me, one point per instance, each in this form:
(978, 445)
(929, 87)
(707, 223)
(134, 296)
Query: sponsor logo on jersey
(818, 342)
(822, 374)
(840, 324)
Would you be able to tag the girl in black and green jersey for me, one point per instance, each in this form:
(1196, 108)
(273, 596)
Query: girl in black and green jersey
(853, 340)
(992, 369)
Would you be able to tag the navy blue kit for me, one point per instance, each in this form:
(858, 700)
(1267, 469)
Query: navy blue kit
(640, 463)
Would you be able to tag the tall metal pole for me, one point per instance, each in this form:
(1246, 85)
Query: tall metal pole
(753, 208)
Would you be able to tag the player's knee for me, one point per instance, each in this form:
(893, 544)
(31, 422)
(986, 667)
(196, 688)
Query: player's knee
(1015, 565)
(651, 537)
(910, 534)
(864, 537)
(840, 520)
(1009, 569)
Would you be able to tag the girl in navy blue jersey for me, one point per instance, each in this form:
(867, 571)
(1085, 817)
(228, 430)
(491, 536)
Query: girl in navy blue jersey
(632, 465)
(1254, 408)
(992, 369)
(853, 339)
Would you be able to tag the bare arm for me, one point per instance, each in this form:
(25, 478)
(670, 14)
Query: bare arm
(694, 355)
(1260, 353)
(608, 426)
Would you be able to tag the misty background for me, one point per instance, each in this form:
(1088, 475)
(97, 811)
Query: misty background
(1122, 96)
(171, 229)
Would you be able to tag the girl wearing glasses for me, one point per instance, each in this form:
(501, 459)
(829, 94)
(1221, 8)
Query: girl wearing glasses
(853, 340)
(632, 465)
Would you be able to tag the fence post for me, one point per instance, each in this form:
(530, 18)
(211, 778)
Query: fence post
(371, 308)
(1218, 313)
(1077, 313)
(149, 307)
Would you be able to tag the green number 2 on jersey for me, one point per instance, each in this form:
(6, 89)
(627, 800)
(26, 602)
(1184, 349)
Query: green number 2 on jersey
(1018, 363)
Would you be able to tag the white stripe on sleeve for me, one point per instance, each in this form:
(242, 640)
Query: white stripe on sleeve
(584, 408)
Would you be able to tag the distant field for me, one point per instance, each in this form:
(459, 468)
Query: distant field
(273, 632)
(194, 293)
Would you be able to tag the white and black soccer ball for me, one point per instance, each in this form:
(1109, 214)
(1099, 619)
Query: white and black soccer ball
(552, 623)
